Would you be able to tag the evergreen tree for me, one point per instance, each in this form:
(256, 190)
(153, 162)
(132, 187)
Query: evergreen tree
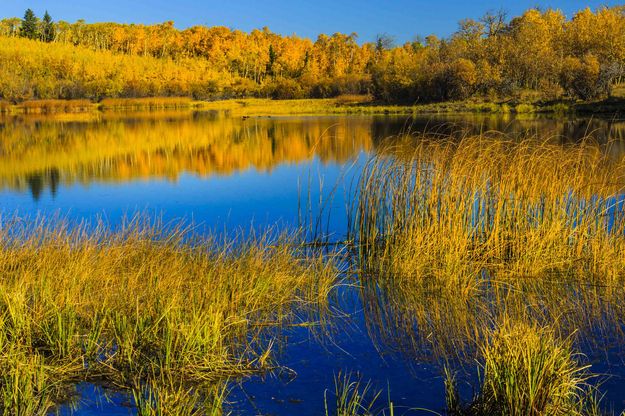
(273, 57)
(47, 28)
(29, 25)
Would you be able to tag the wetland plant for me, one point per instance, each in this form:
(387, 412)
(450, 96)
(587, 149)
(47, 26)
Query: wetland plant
(352, 397)
(446, 211)
(527, 370)
(150, 308)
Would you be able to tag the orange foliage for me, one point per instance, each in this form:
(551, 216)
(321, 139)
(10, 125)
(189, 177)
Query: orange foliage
(537, 51)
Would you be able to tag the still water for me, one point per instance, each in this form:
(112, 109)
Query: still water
(241, 173)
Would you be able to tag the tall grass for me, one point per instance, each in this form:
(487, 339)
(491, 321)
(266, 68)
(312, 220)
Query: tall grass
(431, 322)
(527, 370)
(153, 103)
(446, 211)
(55, 106)
(143, 304)
(341, 105)
(500, 249)
(160, 396)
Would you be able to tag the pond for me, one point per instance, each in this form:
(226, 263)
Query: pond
(233, 174)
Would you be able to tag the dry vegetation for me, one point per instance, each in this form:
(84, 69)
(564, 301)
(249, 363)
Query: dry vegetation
(149, 308)
(528, 371)
(152, 103)
(508, 251)
(56, 106)
(449, 210)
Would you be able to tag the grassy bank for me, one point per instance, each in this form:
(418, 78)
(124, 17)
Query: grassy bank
(86, 106)
(251, 107)
(234, 107)
(148, 308)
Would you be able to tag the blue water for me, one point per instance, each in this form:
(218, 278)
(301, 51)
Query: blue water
(288, 191)
(242, 199)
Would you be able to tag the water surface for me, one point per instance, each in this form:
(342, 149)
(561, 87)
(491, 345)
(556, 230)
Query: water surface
(230, 173)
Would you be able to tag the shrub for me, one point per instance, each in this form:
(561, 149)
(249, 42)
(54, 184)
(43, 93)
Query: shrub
(284, 89)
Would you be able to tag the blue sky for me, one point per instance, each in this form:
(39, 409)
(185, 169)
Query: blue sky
(403, 19)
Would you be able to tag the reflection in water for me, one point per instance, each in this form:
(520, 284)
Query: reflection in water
(423, 323)
(44, 154)
(428, 322)
(38, 153)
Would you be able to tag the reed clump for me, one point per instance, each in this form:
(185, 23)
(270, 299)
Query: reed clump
(152, 103)
(527, 370)
(447, 211)
(353, 99)
(55, 106)
(145, 303)
(163, 395)
(352, 397)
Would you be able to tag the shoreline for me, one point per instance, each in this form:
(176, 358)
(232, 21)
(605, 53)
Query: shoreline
(331, 106)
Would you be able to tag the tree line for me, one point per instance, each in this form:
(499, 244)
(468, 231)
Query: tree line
(539, 54)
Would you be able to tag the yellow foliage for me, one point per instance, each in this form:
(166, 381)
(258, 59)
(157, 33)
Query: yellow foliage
(488, 56)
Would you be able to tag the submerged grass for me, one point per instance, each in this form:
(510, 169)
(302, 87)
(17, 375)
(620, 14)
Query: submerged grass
(143, 306)
(434, 323)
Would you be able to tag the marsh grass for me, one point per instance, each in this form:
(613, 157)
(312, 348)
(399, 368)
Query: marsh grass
(446, 211)
(527, 370)
(55, 106)
(145, 303)
(432, 323)
(341, 105)
(159, 396)
(152, 103)
(350, 99)
(511, 251)
(352, 397)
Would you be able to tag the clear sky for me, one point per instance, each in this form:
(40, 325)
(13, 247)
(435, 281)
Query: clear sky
(403, 19)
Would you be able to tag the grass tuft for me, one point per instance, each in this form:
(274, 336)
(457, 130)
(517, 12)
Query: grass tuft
(527, 370)
(352, 397)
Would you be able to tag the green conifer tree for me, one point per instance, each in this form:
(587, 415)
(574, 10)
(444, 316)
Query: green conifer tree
(29, 25)
(47, 28)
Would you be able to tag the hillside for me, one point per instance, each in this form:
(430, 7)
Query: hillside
(540, 55)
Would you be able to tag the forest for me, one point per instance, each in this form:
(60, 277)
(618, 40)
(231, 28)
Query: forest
(540, 55)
